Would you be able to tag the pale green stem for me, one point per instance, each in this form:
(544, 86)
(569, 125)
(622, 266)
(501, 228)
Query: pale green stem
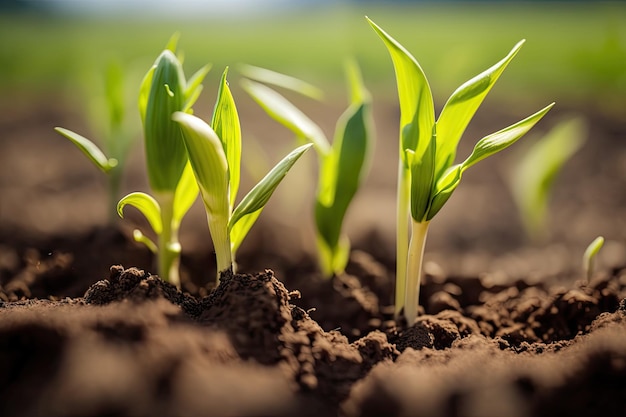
(325, 257)
(402, 235)
(169, 249)
(419, 230)
(218, 227)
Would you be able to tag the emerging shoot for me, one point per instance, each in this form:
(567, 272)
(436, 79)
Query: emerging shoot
(534, 174)
(343, 163)
(427, 175)
(215, 154)
(590, 255)
(118, 132)
(165, 90)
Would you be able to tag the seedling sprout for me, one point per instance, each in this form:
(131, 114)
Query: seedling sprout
(343, 163)
(427, 175)
(590, 255)
(165, 90)
(215, 154)
(534, 174)
(118, 132)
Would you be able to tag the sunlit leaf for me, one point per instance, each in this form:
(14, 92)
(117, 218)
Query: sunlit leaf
(144, 92)
(194, 87)
(165, 151)
(89, 149)
(284, 112)
(186, 194)
(340, 181)
(208, 161)
(533, 175)
(502, 139)
(141, 238)
(225, 124)
(172, 43)
(261, 193)
(281, 80)
(443, 190)
(422, 179)
(590, 255)
(239, 230)
(147, 205)
(417, 112)
(461, 107)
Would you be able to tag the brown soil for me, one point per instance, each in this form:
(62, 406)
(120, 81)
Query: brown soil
(507, 328)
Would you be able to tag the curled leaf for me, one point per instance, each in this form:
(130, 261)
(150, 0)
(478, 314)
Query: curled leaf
(89, 149)
(147, 205)
(283, 111)
(208, 161)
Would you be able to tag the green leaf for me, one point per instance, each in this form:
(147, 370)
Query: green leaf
(342, 169)
(590, 255)
(240, 230)
(502, 139)
(261, 193)
(534, 173)
(356, 88)
(422, 179)
(208, 161)
(144, 93)
(186, 194)
(284, 112)
(226, 125)
(141, 238)
(165, 151)
(147, 205)
(89, 149)
(417, 112)
(487, 146)
(194, 87)
(461, 107)
(277, 79)
(333, 260)
(444, 188)
(172, 43)
(343, 172)
(114, 94)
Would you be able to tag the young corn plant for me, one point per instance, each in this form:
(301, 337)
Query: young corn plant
(427, 174)
(118, 129)
(215, 154)
(534, 173)
(342, 165)
(164, 91)
(589, 257)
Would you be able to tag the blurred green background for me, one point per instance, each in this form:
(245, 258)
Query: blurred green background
(575, 51)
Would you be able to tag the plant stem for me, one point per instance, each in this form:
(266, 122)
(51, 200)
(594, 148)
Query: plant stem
(218, 227)
(169, 249)
(419, 230)
(402, 235)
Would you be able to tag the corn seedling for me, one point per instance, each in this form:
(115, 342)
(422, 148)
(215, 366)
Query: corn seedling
(590, 255)
(342, 164)
(427, 175)
(215, 154)
(163, 92)
(118, 131)
(533, 175)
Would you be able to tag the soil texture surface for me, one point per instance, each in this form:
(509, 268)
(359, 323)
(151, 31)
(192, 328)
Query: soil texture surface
(507, 327)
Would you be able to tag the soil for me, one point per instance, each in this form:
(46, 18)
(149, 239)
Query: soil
(506, 328)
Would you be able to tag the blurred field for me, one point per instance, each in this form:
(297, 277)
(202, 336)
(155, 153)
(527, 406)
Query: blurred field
(50, 75)
(573, 52)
